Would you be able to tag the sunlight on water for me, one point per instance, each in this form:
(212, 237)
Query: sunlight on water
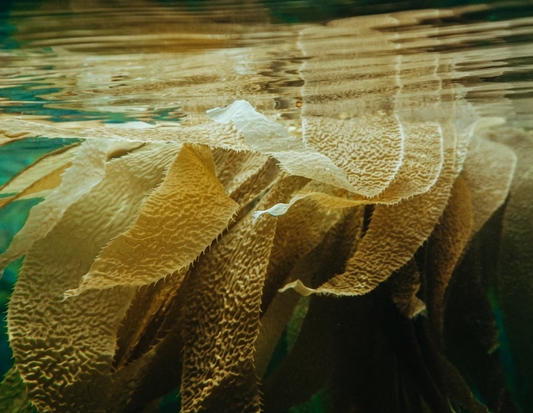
(164, 65)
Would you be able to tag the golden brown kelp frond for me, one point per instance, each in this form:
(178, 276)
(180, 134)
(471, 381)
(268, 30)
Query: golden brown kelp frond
(177, 223)
(369, 149)
(46, 173)
(6, 138)
(443, 251)
(73, 342)
(394, 234)
(470, 331)
(88, 168)
(41, 186)
(221, 316)
(298, 232)
(421, 165)
(488, 173)
(234, 168)
(148, 358)
(404, 285)
(311, 362)
(277, 309)
(276, 318)
(147, 322)
(39, 169)
(223, 136)
(244, 174)
(511, 282)
(313, 356)
(13, 396)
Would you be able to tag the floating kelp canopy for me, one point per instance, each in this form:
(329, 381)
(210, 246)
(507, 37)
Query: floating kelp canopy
(323, 247)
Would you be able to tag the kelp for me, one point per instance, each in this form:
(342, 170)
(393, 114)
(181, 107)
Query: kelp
(404, 284)
(369, 149)
(488, 172)
(88, 167)
(510, 282)
(444, 250)
(74, 352)
(39, 169)
(315, 349)
(244, 175)
(269, 137)
(470, 329)
(223, 308)
(219, 136)
(164, 271)
(46, 173)
(392, 238)
(176, 224)
(13, 396)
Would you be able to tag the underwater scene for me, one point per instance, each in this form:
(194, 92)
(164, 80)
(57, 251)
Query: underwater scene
(300, 206)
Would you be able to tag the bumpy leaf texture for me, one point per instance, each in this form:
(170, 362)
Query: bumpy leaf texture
(88, 168)
(64, 349)
(221, 320)
(176, 224)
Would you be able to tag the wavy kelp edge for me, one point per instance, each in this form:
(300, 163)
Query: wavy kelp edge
(75, 350)
(177, 223)
(394, 235)
(88, 169)
(269, 137)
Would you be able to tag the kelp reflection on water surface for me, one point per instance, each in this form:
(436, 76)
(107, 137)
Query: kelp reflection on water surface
(320, 216)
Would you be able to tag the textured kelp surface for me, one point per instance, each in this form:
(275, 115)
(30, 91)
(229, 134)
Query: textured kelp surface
(368, 252)
(209, 318)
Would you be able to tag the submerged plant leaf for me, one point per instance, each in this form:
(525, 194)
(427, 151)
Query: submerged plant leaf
(13, 397)
(296, 379)
(88, 168)
(39, 188)
(234, 168)
(39, 169)
(146, 321)
(245, 174)
(326, 198)
(404, 284)
(178, 221)
(512, 284)
(313, 356)
(29, 128)
(418, 172)
(297, 233)
(223, 136)
(470, 331)
(393, 236)
(296, 254)
(6, 138)
(270, 138)
(444, 249)
(369, 149)
(421, 164)
(488, 172)
(46, 173)
(64, 349)
(221, 318)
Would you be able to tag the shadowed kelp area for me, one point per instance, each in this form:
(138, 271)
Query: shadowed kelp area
(267, 206)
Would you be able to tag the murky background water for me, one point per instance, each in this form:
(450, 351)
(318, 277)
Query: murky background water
(84, 64)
